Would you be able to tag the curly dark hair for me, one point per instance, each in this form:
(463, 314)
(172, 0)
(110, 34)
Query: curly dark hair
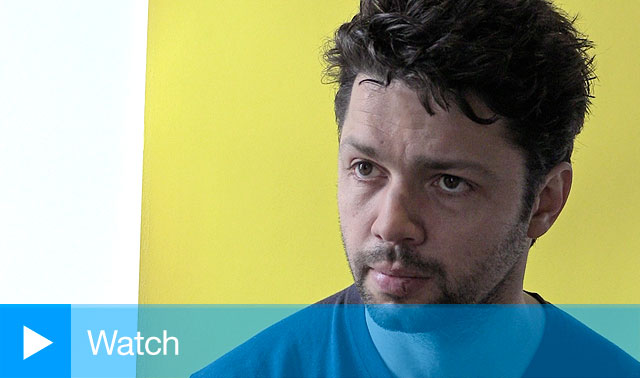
(523, 58)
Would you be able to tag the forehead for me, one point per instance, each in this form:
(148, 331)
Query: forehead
(393, 121)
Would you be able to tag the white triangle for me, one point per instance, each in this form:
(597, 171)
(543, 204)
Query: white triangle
(33, 342)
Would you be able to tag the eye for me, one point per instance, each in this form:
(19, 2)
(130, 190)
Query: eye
(365, 170)
(452, 184)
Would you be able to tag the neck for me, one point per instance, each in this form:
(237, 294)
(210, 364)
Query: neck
(465, 340)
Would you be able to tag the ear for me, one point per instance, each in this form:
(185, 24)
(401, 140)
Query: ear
(550, 200)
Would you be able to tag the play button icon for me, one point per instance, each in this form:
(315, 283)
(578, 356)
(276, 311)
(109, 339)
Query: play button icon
(33, 342)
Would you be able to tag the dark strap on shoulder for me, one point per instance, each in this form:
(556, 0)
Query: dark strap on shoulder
(537, 297)
(349, 295)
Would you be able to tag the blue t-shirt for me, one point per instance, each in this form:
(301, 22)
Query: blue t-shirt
(331, 339)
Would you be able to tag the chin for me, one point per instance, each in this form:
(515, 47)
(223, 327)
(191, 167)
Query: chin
(375, 297)
(412, 315)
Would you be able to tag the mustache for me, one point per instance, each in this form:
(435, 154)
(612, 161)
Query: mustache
(404, 255)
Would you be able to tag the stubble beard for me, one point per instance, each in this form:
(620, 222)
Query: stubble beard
(484, 284)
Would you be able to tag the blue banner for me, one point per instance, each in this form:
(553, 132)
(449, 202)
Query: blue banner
(320, 340)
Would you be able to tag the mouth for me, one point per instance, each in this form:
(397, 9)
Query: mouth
(397, 281)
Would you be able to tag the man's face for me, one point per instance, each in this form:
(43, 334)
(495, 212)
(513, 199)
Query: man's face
(429, 206)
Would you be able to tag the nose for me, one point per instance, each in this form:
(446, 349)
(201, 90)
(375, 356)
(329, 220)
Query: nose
(396, 221)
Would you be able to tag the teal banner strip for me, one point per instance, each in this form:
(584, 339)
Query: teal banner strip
(163, 341)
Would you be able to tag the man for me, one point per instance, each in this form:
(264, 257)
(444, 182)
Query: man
(456, 122)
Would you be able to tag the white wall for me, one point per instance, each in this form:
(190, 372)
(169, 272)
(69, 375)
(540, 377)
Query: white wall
(71, 138)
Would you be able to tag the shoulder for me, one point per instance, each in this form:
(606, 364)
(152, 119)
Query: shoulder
(347, 296)
(277, 351)
(570, 348)
(299, 345)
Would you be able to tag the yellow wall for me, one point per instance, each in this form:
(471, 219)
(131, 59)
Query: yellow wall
(240, 156)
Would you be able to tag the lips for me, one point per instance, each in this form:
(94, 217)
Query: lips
(397, 281)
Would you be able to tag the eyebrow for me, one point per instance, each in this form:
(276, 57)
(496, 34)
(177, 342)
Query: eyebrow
(423, 162)
(362, 148)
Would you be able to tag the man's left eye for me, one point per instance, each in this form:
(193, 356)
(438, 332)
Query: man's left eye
(452, 184)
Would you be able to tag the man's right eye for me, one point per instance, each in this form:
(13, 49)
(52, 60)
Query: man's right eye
(365, 170)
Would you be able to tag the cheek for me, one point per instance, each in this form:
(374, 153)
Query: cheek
(470, 232)
(355, 214)
(460, 242)
(474, 217)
